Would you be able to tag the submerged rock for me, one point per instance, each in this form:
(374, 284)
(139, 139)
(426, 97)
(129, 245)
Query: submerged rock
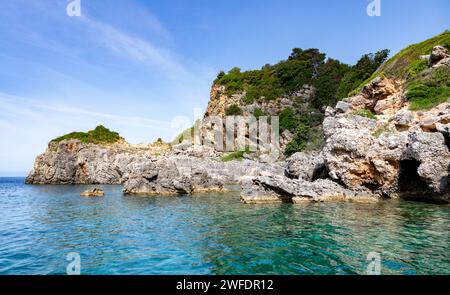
(95, 192)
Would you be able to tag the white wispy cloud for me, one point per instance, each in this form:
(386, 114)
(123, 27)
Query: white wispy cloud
(26, 107)
(134, 48)
(125, 120)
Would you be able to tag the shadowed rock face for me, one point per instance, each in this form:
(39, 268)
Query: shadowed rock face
(358, 158)
(400, 154)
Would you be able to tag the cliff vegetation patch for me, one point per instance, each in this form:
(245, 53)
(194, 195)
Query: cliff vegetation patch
(100, 135)
(429, 90)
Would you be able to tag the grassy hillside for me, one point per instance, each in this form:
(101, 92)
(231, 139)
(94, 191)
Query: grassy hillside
(100, 135)
(425, 88)
(407, 63)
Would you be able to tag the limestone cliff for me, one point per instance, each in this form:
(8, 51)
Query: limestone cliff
(143, 169)
(220, 101)
(381, 142)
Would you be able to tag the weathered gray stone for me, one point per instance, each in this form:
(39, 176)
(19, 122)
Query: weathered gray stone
(439, 55)
(404, 118)
(306, 166)
(342, 107)
(280, 189)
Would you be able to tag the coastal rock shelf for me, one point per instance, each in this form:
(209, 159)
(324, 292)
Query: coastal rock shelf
(141, 171)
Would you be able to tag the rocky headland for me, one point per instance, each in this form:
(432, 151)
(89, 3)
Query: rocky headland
(389, 139)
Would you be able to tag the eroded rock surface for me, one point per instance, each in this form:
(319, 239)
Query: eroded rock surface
(186, 170)
(393, 152)
(280, 189)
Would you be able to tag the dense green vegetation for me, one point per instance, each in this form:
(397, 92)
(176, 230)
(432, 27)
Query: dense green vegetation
(100, 135)
(428, 90)
(416, 67)
(399, 65)
(233, 110)
(288, 120)
(360, 72)
(331, 79)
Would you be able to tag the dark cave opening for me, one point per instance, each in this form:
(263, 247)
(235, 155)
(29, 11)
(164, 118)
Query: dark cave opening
(409, 181)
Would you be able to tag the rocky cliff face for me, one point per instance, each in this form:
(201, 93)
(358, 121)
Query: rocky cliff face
(143, 169)
(393, 152)
(73, 162)
(220, 102)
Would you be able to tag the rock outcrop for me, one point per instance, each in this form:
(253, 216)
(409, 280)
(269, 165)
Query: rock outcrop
(404, 155)
(72, 162)
(279, 189)
(306, 166)
(221, 101)
(164, 177)
(375, 146)
(400, 153)
(95, 192)
(185, 170)
(439, 57)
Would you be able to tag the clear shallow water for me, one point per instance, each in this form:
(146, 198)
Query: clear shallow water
(213, 234)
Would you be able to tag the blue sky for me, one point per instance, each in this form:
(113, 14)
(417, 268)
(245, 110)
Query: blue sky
(144, 68)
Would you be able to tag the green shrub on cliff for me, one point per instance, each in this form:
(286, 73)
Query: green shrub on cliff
(273, 81)
(288, 120)
(430, 90)
(233, 110)
(361, 72)
(416, 67)
(100, 135)
(399, 65)
(328, 82)
(331, 78)
(258, 113)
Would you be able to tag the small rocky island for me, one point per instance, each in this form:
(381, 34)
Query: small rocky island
(387, 138)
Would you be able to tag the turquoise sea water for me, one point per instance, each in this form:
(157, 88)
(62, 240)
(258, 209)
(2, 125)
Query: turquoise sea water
(213, 234)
